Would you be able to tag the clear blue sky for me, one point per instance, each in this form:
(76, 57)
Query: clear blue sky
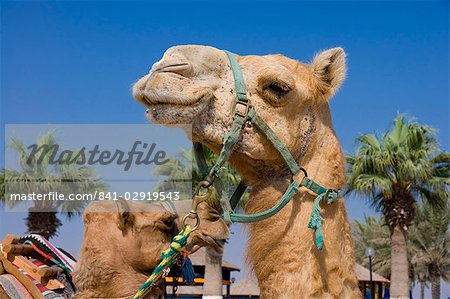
(74, 62)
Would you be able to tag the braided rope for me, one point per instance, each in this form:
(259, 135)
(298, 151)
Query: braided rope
(170, 256)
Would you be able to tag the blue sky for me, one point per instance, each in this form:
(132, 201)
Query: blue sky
(74, 62)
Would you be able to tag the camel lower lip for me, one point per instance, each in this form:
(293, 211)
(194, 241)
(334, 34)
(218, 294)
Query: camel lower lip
(174, 103)
(152, 102)
(217, 244)
(158, 105)
(205, 240)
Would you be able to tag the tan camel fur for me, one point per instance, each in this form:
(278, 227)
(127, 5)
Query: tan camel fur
(194, 84)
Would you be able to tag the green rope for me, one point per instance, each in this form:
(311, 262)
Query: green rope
(315, 220)
(170, 257)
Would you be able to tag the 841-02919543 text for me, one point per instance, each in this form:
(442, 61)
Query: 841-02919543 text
(142, 196)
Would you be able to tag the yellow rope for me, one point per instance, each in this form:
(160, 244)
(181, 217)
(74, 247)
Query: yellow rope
(170, 256)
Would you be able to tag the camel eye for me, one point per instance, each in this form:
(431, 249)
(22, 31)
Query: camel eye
(166, 224)
(213, 215)
(276, 93)
(277, 89)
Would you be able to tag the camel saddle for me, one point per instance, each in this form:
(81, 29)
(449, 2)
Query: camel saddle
(32, 267)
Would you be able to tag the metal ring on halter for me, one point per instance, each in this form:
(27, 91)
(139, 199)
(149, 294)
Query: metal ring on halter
(197, 220)
(304, 173)
(195, 202)
(203, 184)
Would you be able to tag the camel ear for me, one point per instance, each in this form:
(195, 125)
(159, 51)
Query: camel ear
(87, 217)
(329, 70)
(125, 218)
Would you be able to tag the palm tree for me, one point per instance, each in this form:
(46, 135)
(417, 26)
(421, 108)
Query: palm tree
(39, 176)
(422, 279)
(396, 170)
(177, 170)
(372, 232)
(430, 248)
(179, 175)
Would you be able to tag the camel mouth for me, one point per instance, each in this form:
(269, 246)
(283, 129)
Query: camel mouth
(152, 90)
(203, 240)
(168, 111)
(152, 99)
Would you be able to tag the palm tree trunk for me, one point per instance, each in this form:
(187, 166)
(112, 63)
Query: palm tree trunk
(435, 286)
(422, 290)
(212, 288)
(399, 265)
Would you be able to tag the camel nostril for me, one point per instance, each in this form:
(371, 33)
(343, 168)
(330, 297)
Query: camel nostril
(180, 67)
(146, 100)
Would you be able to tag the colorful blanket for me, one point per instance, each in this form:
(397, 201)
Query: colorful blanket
(48, 294)
(49, 251)
(13, 287)
(47, 255)
(16, 290)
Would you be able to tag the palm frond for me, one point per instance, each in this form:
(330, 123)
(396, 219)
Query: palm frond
(38, 174)
(398, 164)
(183, 168)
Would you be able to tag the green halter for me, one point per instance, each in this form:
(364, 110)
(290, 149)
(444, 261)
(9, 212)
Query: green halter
(243, 113)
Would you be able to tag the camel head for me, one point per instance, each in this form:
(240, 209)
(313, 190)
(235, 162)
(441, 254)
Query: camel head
(139, 232)
(194, 84)
(123, 241)
(134, 233)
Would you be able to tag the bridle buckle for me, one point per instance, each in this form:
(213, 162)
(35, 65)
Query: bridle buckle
(242, 108)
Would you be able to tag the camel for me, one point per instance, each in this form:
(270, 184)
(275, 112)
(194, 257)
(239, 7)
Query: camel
(121, 247)
(116, 259)
(194, 84)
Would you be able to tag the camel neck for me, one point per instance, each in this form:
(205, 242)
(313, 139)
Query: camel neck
(321, 156)
(104, 275)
